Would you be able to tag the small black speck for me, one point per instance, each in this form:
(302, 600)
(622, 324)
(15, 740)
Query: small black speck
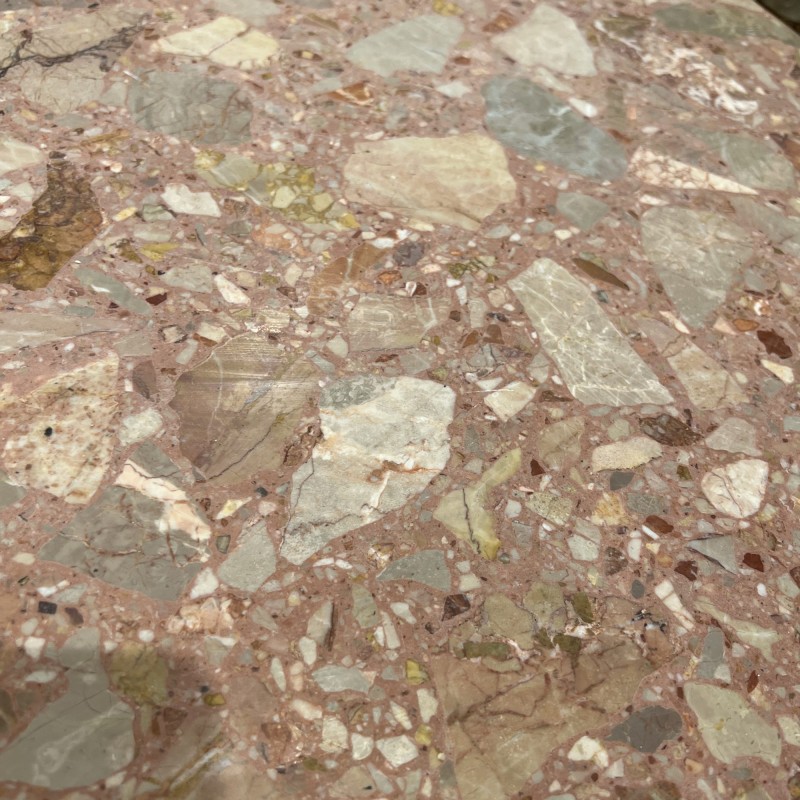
(46, 607)
(48, 432)
(261, 491)
(203, 689)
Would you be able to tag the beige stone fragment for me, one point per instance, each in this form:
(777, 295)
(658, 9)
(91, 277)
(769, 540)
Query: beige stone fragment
(464, 511)
(780, 371)
(708, 385)
(224, 42)
(18, 155)
(610, 510)
(454, 180)
(625, 455)
(730, 727)
(77, 408)
(734, 436)
(387, 323)
(507, 619)
(561, 442)
(669, 173)
(749, 632)
(738, 488)
(510, 400)
(551, 39)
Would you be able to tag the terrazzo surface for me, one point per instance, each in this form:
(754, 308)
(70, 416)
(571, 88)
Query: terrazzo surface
(398, 400)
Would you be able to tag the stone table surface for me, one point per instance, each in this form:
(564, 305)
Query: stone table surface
(399, 400)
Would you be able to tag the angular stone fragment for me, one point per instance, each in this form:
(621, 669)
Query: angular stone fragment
(549, 39)
(749, 632)
(335, 678)
(422, 44)
(61, 66)
(182, 200)
(505, 618)
(454, 180)
(553, 508)
(191, 106)
(428, 567)
(530, 120)
(503, 726)
(383, 441)
(725, 21)
(117, 291)
(721, 549)
(387, 323)
(647, 729)
(63, 220)
(697, 255)
(62, 431)
(597, 363)
(753, 162)
(252, 560)
(708, 385)
(510, 400)
(239, 408)
(738, 488)
(628, 454)
(19, 330)
(225, 41)
(734, 436)
(582, 210)
(783, 232)
(660, 170)
(81, 738)
(730, 727)
(17, 155)
(560, 442)
(464, 512)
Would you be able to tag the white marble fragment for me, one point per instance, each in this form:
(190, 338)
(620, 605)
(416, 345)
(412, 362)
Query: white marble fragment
(588, 749)
(596, 361)
(397, 750)
(383, 441)
(18, 155)
(708, 385)
(230, 292)
(62, 431)
(182, 200)
(137, 427)
(738, 488)
(627, 454)
(660, 170)
(548, 38)
(510, 400)
(225, 41)
(734, 435)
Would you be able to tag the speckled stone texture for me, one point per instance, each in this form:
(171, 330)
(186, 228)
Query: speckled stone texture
(399, 400)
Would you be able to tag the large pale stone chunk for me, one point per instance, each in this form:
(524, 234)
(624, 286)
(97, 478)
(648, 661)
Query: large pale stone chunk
(464, 511)
(379, 323)
(62, 431)
(594, 358)
(697, 255)
(383, 441)
(252, 562)
(625, 455)
(454, 180)
(536, 124)
(86, 735)
(734, 436)
(422, 44)
(19, 329)
(730, 727)
(549, 39)
(18, 155)
(708, 385)
(738, 488)
(239, 408)
(224, 41)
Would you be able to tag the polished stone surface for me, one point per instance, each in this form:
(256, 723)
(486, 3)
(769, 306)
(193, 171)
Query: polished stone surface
(399, 400)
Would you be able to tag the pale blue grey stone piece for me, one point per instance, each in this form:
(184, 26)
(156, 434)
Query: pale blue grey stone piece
(428, 567)
(81, 738)
(535, 123)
